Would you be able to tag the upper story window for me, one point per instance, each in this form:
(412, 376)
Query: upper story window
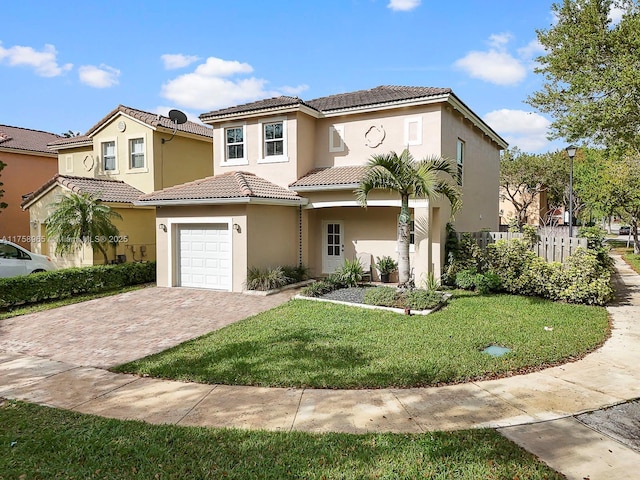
(274, 141)
(460, 160)
(336, 138)
(136, 153)
(413, 131)
(234, 138)
(109, 155)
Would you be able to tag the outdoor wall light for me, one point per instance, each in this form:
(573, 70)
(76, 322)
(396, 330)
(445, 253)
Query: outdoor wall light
(236, 227)
(162, 227)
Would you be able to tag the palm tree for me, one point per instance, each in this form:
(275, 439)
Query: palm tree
(81, 218)
(403, 175)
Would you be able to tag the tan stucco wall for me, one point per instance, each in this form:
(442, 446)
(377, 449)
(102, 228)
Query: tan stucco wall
(181, 160)
(23, 174)
(481, 176)
(137, 225)
(78, 161)
(272, 236)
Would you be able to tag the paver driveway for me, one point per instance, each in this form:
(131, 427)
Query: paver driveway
(112, 330)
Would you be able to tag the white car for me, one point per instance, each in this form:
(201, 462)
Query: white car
(15, 260)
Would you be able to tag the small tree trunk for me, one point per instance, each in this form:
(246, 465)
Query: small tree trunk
(104, 253)
(404, 223)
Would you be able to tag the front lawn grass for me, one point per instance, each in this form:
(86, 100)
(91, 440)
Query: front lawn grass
(41, 442)
(312, 344)
(632, 259)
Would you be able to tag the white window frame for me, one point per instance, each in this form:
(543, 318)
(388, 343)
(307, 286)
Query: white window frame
(115, 156)
(460, 153)
(144, 167)
(333, 131)
(407, 130)
(262, 158)
(224, 161)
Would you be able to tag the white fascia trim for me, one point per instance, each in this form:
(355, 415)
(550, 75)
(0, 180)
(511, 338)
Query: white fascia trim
(325, 188)
(42, 194)
(221, 201)
(418, 203)
(263, 113)
(171, 257)
(477, 121)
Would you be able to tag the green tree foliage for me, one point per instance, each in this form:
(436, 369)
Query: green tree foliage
(624, 178)
(81, 218)
(409, 178)
(591, 71)
(2, 204)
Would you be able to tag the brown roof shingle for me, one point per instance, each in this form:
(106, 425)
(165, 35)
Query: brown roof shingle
(330, 177)
(79, 140)
(155, 120)
(115, 191)
(226, 186)
(26, 139)
(260, 105)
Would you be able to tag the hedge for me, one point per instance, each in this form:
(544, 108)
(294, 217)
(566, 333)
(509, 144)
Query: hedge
(68, 282)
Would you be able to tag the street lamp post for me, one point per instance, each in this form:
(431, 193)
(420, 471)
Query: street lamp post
(571, 151)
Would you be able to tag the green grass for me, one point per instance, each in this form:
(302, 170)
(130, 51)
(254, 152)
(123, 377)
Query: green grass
(40, 442)
(633, 260)
(311, 344)
(40, 307)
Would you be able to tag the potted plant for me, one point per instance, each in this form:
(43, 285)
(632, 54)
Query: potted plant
(386, 265)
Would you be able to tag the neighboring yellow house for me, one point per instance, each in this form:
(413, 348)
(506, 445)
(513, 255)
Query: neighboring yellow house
(126, 154)
(286, 171)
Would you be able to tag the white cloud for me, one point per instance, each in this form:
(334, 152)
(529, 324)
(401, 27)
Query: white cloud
(495, 65)
(44, 62)
(615, 14)
(525, 130)
(218, 83)
(403, 5)
(172, 61)
(533, 49)
(294, 91)
(103, 76)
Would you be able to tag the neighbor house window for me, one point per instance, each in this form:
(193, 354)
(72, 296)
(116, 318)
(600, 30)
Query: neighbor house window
(460, 160)
(136, 153)
(109, 155)
(273, 139)
(234, 140)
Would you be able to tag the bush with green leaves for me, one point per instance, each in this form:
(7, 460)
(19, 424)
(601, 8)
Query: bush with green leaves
(318, 289)
(351, 272)
(58, 284)
(466, 279)
(419, 299)
(488, 283)
(382, 296)
(264, 279)
(595, 241)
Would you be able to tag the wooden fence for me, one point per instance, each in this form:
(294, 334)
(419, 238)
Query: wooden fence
(552, 249)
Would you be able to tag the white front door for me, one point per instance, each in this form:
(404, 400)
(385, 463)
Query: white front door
(204, 256)
(332, 246)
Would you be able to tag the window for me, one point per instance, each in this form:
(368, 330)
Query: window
(136, 153)
(273, 139)
(413, 131)
(336, 138)
(109, 156)
(234, 139)
(460, 160)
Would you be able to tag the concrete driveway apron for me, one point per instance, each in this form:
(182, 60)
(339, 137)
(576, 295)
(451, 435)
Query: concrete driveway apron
(113, 330)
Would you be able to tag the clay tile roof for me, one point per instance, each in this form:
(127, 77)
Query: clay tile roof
(155, 120)
(26, 139)
(260, 105)
(226, 186)
(115, 191)
(374, 96)
(80, 140)
(330, 177)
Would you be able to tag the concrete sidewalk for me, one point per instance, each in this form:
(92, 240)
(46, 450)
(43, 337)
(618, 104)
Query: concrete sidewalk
(537, 411)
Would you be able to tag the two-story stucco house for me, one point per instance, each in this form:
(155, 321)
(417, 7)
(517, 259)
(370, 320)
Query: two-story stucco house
(286, 170)
(28, 164)
(127, 153)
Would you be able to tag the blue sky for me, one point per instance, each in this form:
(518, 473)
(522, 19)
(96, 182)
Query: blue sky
(64, 65)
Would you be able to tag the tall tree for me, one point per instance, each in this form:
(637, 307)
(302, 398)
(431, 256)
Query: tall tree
(80, 218)
(591, 71)
(624, 175)
(428, 178)
(2, 204)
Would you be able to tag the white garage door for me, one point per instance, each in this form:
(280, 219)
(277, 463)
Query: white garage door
(204, 256)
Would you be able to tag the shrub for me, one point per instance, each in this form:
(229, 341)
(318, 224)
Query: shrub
(317, 289)
(68, 282)
(466, 279)
(422, 299)
(430, 281)
(582, 279)
(296, 274)
(488, 282)
(382, 296)
(386, 265)
(266, 278)
(351, 272)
